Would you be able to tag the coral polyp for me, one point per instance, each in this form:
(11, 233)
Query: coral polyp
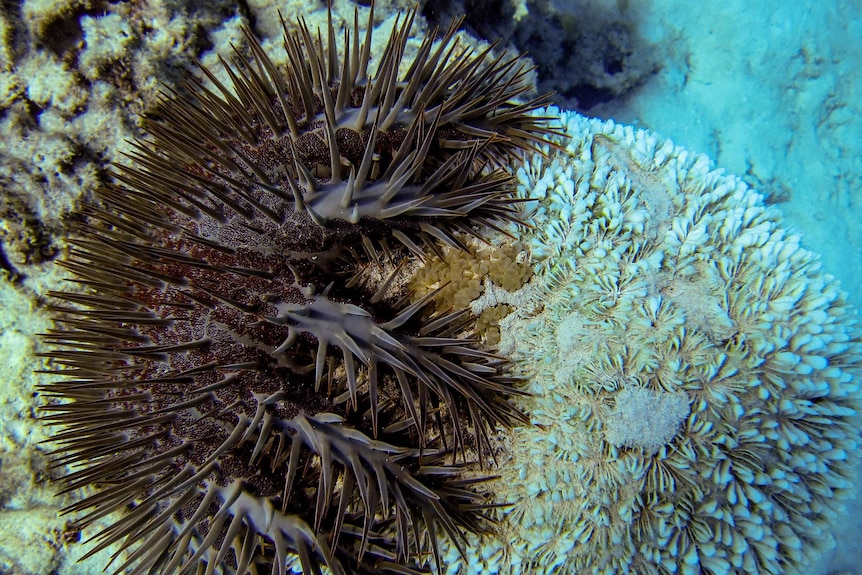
(234, 377)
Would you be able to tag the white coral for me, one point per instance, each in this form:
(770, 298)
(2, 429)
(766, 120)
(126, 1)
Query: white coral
(670, 287)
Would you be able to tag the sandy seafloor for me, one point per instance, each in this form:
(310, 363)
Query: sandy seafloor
(772, 91)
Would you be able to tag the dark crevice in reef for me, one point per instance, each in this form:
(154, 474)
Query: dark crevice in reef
(64, 34)
(7, 270)
(589, 53)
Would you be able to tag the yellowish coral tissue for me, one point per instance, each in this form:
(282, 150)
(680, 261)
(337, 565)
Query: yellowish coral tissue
(461, 278)
(692, 370)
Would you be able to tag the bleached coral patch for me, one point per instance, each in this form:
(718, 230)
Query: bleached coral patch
(645, 418)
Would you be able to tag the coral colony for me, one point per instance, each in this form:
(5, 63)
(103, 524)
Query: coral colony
(694, 374)
(245, 374)
(279, 355)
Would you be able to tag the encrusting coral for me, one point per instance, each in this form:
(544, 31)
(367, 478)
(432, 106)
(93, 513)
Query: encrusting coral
(233, 375)
(692, 371)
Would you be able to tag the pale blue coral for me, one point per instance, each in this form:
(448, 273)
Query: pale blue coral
(663, 274)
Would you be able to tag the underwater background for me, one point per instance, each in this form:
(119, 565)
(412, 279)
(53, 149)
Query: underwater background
(770, 91)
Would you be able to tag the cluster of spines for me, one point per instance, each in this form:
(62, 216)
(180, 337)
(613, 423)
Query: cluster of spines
(446, 126)
(195, 357)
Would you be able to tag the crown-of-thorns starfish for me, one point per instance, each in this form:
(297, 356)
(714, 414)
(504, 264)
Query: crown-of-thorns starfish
(228, 381)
